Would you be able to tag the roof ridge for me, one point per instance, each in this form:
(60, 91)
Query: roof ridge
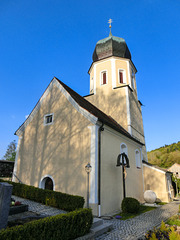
(86, 105)
(102, 117)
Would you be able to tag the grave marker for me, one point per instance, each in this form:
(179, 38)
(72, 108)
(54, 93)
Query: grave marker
(5, 201)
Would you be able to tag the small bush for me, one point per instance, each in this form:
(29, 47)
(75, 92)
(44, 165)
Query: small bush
(60, 227)
(51, 198)
(130, 205)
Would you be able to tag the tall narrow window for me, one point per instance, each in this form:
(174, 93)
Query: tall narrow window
(104, 77)
(138, 161)
(133, 78)
(121, 80)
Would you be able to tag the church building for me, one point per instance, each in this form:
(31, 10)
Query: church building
(65, 131)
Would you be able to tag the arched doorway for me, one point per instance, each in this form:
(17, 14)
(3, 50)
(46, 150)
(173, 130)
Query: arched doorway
(174, 187)
(47, 182)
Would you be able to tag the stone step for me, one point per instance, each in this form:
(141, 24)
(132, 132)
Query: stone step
(99, 230)
(97, 222)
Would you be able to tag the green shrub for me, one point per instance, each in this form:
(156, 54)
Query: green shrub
(130, 205)
(60, 227)
(55, 199)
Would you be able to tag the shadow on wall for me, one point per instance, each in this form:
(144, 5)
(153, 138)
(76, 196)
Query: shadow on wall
(113, 105)
(60, 150)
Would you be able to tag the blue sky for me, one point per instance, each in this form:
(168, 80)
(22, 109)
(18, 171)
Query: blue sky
(40, 39)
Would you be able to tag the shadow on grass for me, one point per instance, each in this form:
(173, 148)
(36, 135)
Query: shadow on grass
(142, 209)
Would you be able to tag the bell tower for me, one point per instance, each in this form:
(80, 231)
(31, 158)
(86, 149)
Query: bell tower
(113, 85)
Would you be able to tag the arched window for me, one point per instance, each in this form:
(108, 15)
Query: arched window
(103, 77)
(133, 78)
(123, 149)
(121, 76)
(47, 182)
(137, 157)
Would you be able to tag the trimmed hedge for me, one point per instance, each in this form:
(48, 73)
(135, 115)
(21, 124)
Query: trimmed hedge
(130, 205)
(60, 227)
(51, 198)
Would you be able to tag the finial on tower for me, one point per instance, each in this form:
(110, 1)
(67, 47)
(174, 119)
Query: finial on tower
(110, 21)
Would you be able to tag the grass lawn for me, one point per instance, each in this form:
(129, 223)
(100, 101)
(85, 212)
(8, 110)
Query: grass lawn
(161, 203)
(174, 220)
(143, 209)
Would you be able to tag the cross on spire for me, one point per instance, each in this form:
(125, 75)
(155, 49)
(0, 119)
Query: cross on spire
(110, 21)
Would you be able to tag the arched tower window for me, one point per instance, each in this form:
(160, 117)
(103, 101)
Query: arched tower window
(137, 157)
(133, 78)
(103, 77)
(123, 149)
(47, 182)
(121, 76)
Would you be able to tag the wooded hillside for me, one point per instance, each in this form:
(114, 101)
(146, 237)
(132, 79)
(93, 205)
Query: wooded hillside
(165, 156)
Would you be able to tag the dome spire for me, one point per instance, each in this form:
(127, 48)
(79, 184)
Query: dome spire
(110, 21)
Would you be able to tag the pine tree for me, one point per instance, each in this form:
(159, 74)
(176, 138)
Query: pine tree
(10, 152)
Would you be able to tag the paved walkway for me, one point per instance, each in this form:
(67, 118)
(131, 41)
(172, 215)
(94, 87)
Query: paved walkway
(136, 228)
(131, 229)
(39, 208)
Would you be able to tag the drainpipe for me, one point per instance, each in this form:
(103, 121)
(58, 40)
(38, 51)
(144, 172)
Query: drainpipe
(142, 169)
(16, 177)
(99, 168)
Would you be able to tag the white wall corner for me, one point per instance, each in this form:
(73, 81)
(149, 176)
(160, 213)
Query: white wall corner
(94, 163)
(128, 111)
(113, 71)
(16, 159)
(95, 79)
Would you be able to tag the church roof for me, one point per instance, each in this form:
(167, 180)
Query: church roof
(85, 104)
(111, 46)
(157, 167)
(102, 117)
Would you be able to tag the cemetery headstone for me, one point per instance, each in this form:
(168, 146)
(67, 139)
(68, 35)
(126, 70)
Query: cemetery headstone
(5, 201)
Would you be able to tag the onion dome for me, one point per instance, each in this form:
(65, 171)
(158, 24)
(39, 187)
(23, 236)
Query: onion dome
(111, 46)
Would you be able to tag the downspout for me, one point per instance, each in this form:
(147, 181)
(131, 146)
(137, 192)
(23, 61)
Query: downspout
(142, 170)
(99, 168)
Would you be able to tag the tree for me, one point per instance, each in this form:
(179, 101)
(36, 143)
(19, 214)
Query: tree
(10, 152)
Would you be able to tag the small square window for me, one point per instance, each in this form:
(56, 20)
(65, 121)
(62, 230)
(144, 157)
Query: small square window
(48, 119)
